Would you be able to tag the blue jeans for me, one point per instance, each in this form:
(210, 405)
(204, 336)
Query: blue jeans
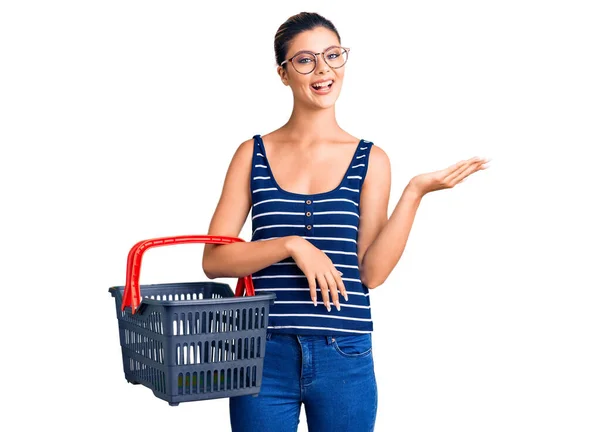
(332, 375)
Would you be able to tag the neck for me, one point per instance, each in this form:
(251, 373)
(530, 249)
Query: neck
(311, 125)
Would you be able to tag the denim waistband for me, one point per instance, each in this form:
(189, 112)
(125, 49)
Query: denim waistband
(302, 338)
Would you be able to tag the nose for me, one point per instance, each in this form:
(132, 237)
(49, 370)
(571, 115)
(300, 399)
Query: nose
(322, 65)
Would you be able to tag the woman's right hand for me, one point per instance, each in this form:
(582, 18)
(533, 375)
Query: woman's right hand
(316, 265)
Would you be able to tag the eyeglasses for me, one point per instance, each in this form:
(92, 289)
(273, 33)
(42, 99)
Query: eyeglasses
(306, 61)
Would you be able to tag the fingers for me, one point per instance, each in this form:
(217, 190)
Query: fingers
(337, 275)
(464, 170)
(329, 283)
(333, 291)
(312, 286)
(452, 168)
(459, 173)
(324, 290)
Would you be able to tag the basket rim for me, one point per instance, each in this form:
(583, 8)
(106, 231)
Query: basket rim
(258, 297)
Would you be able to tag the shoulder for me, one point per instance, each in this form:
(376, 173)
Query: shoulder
(244, 151)
(241, 161)
(246, 146)
(379, 166)
(378, 158)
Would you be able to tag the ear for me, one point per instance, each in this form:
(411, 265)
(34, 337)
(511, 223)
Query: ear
(283, 75)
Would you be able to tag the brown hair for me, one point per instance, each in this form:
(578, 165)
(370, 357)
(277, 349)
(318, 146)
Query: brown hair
(295, 25)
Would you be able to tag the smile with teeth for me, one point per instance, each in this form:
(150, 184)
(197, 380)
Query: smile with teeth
(322, 84)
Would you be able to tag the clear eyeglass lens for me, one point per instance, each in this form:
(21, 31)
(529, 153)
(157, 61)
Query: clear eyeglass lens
(304, 63)
(335, 57)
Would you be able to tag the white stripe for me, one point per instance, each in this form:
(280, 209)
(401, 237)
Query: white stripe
(274, 213)
(258, 154)
(336, 199)
(260, 166)
(330, 238)
(323, 316)
(261, 178)
(265, 189)
(352, 190)
(278, 199)
(336, 265)
(305, 289)
(340, 252)
(321, 328)
(335, 212)
(281, 289)
(309, 302)
(337, 226)
(358, 177)
(362, 148)
(274, 226)
(298, 276)
(358, 165)
(351, 280)
(358, 157)
(346, 265)
(368, 142)
(278, 276)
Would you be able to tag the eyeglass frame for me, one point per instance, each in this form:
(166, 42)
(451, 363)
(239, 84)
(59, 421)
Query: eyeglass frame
(316, 55)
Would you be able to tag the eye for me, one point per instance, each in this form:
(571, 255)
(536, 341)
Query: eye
(304, 59)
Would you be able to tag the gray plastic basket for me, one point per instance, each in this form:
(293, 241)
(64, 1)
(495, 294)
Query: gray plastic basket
(195, 340)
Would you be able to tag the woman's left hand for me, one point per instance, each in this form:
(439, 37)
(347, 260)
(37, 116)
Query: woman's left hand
(447, 178)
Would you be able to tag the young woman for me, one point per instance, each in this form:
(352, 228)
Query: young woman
(309, 184)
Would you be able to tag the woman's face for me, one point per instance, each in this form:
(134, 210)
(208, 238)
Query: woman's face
(316, 40)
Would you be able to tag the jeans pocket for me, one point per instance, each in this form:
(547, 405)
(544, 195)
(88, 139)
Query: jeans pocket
(353, 345)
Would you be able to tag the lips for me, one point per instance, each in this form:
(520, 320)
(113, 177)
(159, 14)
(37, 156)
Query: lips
(322, 84)
(322, 87)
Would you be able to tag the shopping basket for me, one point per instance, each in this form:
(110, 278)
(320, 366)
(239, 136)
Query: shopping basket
(194, 340)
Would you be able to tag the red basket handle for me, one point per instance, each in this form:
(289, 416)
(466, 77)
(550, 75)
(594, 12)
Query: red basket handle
(131, 294)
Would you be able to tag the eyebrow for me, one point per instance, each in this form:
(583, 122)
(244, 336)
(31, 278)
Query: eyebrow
(330, 46)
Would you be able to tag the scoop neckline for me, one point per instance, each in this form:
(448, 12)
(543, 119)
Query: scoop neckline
(320, 194)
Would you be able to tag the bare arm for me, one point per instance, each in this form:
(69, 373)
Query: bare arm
(384, 253)
(242, 258)
(381, 242)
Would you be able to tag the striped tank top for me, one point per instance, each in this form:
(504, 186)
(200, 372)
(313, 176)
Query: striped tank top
(329, 221)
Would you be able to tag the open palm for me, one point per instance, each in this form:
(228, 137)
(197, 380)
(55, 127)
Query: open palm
(449, 177)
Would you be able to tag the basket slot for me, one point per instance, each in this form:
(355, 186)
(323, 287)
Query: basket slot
(205, 381)
(215, 321)
(206, 352)
(143, 345)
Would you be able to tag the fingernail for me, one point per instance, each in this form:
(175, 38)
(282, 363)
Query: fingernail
(328, 307)
(337, 305)
(314, 301)
(346, 297)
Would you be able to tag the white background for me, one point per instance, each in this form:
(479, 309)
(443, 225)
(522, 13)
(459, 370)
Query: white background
(118, 122)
